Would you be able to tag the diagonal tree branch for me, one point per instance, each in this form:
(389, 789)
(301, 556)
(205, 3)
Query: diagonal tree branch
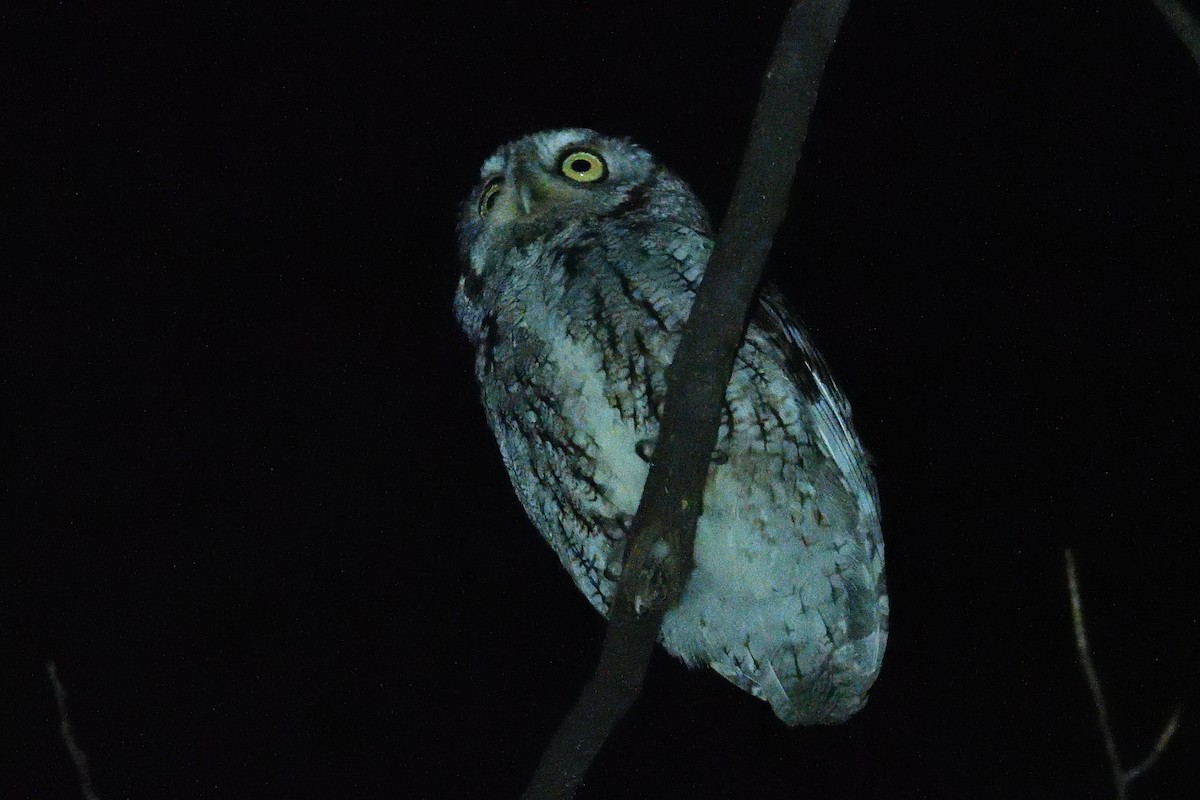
(1183, 23)
(658, 557)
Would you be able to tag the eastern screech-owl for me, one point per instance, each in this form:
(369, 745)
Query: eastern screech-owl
(581, 258)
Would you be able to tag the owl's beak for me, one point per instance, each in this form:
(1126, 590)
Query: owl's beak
(527, 188)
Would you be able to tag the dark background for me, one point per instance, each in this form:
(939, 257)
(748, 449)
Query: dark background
(252, 509)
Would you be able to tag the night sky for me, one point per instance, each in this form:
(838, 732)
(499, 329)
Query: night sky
(251, 507)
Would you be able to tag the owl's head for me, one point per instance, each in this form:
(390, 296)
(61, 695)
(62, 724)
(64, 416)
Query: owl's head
(535, 186)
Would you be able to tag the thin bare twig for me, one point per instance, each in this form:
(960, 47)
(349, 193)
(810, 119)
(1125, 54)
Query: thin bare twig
(1121, 777)
(67, 732)
(1093, 680)
(658, 557)
(1160, 745)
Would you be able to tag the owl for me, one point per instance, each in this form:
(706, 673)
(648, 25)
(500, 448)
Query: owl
(581, 256)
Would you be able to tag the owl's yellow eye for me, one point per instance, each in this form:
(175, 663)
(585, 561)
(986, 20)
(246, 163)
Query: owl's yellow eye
(583, 166)
(488, 197)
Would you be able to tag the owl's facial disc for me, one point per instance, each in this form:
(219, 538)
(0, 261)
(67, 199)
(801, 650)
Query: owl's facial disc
(535, 182)
(519, 195)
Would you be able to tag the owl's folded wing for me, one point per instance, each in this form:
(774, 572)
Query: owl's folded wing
(830, 409)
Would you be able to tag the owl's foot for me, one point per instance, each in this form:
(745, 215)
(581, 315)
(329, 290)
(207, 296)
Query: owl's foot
(653, 574)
